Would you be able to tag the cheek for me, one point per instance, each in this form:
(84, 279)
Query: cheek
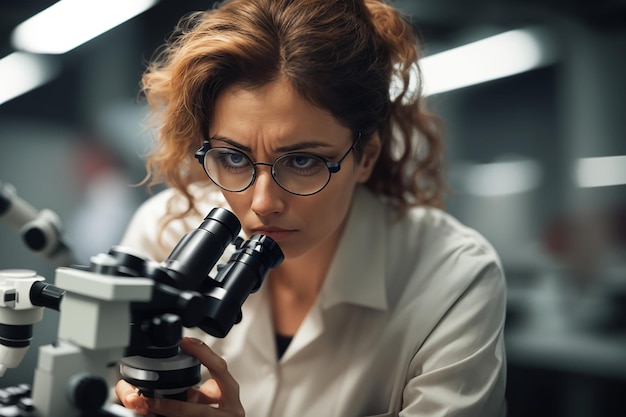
(328, 213)
(330, 206)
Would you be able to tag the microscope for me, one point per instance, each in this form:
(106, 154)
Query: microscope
(128, 311)
(40, 230)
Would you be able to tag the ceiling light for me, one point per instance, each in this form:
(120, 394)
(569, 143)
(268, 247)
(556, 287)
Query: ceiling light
(498, 56)
(601, 171)
(23, 72)
(70, 23)
(500, 178)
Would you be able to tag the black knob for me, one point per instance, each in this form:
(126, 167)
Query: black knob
(47, 295)
(88, 392)
(165, 330)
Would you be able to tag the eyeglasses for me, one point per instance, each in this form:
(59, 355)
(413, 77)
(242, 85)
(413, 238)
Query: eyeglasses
(297, 173)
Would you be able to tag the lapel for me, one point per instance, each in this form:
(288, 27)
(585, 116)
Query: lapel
(260, 329)
(357, 273)
(310, 329)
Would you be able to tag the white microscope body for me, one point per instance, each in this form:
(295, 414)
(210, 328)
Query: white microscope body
(74, 372)
(17, 315)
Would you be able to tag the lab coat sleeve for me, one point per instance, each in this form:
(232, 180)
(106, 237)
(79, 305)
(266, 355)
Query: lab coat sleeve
(143, 234)
(460, 370)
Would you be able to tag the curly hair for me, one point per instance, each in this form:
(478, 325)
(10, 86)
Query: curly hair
(344, 56)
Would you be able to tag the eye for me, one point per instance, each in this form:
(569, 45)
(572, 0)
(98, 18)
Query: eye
(302, 164)
(230, 158)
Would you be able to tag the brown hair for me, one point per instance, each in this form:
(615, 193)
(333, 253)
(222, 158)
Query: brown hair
(340, 55)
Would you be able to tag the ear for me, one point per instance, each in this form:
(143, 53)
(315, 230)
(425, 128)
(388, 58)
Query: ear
(369, 158)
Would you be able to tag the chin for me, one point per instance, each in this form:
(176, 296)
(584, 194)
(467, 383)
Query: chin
(293, 251)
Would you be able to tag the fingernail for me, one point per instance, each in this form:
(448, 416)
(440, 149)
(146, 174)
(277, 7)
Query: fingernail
(194, 340)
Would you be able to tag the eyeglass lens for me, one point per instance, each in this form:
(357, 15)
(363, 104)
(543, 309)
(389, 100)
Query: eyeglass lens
(297, 173)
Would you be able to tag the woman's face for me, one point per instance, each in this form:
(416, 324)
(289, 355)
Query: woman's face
(266, 123)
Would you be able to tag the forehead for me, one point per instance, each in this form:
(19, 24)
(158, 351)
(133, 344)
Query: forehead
(273, 111)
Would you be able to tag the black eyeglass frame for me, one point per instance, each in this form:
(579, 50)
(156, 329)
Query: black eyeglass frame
(333, 167)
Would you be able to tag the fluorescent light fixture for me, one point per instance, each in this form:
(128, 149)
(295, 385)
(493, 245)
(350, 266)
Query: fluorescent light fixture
(501, 178)
(70, 23)
(601, 171)
(21, 72)
(498, 56)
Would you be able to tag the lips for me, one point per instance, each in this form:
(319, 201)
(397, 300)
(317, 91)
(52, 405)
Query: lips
(275, 233)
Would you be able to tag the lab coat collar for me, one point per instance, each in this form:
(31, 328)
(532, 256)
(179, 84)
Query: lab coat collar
(356, 276)
(357, 272)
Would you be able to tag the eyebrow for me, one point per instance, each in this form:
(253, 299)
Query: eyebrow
(289, 148)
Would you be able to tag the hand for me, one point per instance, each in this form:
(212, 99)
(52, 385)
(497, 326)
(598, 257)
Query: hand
(217, 397)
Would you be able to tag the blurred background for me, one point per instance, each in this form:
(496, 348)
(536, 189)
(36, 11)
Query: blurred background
(537, 163)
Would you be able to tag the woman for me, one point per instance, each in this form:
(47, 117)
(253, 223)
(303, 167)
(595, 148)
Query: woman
(384, 305)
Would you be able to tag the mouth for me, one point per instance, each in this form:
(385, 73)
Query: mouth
(275, 233)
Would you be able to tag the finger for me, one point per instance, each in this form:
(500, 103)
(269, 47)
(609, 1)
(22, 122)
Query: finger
(211, 389)
(208, 393)
(130, 398)
(217, 366)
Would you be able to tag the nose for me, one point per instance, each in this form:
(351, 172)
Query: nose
(267, 196)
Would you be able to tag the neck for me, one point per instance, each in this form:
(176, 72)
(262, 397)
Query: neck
(295, 285)
(303, 276)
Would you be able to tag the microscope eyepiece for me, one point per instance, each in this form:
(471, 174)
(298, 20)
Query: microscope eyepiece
(242, 275)
(191, 261)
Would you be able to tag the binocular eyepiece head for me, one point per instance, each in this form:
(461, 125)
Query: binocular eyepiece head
(242, 275)
(183, 287)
